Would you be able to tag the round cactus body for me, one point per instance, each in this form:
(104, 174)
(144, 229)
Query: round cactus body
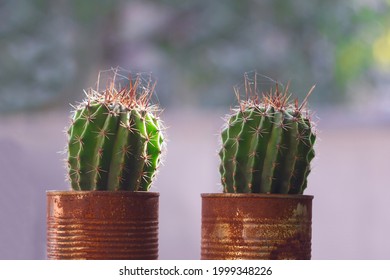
(115, 140)
(267, 146)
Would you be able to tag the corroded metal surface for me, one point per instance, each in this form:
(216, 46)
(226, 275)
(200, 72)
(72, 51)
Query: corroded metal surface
(256, 226)
(102, 225)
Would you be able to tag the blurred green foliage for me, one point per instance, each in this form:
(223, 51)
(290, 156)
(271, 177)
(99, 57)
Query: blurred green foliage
(198, 50)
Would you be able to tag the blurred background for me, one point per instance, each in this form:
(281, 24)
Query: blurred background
(198, 50)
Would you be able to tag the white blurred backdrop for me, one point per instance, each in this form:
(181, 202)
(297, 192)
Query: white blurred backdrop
(349, 183)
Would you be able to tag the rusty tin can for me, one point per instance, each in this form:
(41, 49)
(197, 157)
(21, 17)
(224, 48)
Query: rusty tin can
(256, 226)
(102, 225)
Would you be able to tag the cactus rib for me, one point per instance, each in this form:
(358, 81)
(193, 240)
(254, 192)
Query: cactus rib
(267, 145)
(115, 140)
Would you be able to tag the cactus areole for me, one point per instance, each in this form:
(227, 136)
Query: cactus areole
(267, 144)
(115, 139)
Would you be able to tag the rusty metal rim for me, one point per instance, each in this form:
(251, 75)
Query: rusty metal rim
(103, 193)
(256, 195)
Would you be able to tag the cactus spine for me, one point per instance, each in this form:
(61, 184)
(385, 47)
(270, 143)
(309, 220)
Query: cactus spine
(115, 139)
(267, 144)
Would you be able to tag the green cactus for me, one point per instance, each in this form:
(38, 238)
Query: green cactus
(115, 139)
(267, 144)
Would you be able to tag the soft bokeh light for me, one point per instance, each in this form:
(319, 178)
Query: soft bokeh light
(381, 49)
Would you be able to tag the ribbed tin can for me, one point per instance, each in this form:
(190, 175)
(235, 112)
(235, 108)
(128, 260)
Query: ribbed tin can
(256, 226)
(102, 225)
